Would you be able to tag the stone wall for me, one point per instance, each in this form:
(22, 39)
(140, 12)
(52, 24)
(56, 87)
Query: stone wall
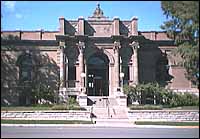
(30, 35)
(164, 115)
(135, 115)
(46, 115)
(179, 80)
(154, 35)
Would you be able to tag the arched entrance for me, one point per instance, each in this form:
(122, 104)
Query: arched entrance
(97, 75)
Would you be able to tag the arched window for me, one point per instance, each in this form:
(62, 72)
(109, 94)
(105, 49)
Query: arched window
(25, 65)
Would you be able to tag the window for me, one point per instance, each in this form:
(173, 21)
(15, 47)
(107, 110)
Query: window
(25, 67)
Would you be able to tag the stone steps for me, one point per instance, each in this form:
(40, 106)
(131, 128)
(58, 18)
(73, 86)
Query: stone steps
(107, 107)
(103, 102)
(114, 113)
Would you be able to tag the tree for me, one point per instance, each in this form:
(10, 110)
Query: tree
(183, 27)
(40, 85)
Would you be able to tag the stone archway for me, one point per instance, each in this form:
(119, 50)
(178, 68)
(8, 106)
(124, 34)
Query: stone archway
(98, 75)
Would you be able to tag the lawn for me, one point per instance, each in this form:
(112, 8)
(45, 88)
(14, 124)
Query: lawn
(44, 122)
(45, 107)
(167, 123)
(160, 107)
(23, 108)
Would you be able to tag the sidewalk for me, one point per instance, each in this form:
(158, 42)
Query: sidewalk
(102, 123)
(97, 125)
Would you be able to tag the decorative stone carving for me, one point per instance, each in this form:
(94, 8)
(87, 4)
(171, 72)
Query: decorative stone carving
(97, 14)
(75, 27)
(135, 45)
(81, 46)
(117, 46)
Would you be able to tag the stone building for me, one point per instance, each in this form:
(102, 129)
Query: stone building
(89, 59)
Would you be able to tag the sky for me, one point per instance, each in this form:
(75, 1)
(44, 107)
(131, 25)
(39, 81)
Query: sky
(34, 15)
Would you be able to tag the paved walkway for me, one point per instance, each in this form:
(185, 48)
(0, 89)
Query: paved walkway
(103, 123)
(99, 125)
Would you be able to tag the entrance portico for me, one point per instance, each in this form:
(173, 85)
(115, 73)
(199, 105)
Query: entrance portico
(97, 69)
(95, 64)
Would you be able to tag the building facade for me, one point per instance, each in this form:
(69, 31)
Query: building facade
(89, 58)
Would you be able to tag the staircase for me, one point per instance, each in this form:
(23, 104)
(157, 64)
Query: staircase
(110, 113)
(107, 108)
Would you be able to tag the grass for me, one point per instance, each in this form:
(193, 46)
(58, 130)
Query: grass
(23, 108)
(160, 107)
(35, 108)
(44, 122)
(73, 107)
(184, 108)
(167, 123)
(145, 107)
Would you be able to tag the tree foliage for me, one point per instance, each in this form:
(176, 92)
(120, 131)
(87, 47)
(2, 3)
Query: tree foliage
(183, 27)
(153, 93)
(40, 86)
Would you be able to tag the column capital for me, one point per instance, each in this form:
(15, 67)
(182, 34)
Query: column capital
(61, 47)
(135, 45)
(81, 45)
(62, 43)
(117, 45)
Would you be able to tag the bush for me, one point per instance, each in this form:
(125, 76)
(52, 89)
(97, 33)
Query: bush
(145, 107)
(42, 105)
(67, 107)
(72, 101)
(59, 107)
(184, 100)
(145, 93)
(75, 107)
(152, 92)
(71, 104)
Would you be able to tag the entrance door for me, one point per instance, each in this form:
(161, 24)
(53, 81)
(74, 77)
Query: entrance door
(97, 76)
(98, 86)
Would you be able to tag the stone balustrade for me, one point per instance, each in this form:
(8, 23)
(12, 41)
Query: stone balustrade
(46, 115)
(164, 115)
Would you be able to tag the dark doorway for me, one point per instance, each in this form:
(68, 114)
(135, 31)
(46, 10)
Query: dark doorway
(97, 75)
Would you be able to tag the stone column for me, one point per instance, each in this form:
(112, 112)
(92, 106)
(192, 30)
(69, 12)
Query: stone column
(110, 80)
(81, 30)
(116, 26)
(85, 72)
(66, 70)
(117, 63)
(131, 71)
(120, 62)
(62, 26)
(62, 91)
(82, 98)
(134, 26)
(135, 47)
(62, 83)
(81, 46)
